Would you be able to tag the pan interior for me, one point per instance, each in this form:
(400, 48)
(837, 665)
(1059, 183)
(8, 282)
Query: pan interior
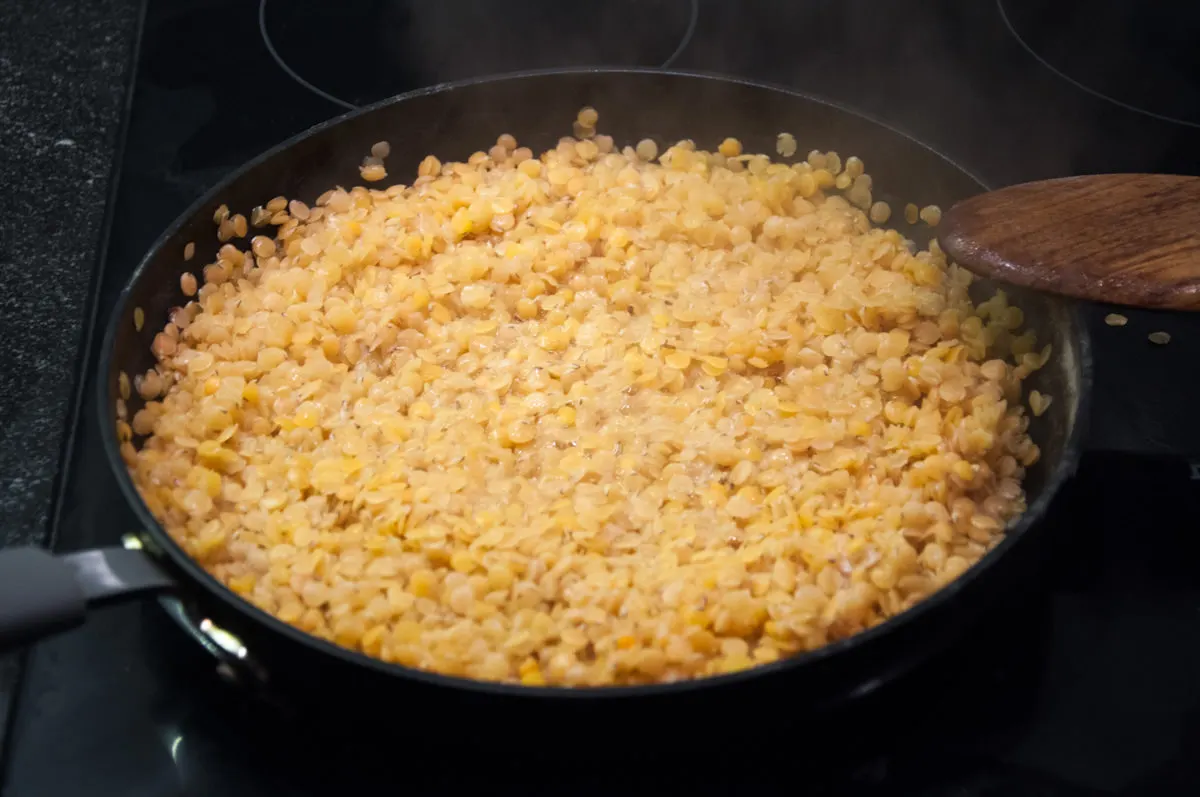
(537, 110)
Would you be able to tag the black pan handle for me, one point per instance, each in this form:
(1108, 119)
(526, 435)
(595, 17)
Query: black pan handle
(42, 594)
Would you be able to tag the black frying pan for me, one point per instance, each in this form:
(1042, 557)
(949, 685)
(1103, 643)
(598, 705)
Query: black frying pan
(40, 593)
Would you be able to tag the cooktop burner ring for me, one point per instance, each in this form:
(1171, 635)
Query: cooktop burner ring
(282, 62)
(1006, 18)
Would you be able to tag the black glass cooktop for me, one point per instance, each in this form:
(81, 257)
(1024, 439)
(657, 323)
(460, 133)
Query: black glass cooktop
(401, 46)
(1086, 683)
(1091, 44)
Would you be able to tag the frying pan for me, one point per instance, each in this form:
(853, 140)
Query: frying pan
(41, 593)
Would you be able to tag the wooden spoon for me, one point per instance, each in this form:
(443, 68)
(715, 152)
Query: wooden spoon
(1131, 239)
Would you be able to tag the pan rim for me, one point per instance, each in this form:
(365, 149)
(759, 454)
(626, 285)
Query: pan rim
(198, 576)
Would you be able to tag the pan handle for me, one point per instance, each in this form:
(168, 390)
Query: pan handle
(42, 594)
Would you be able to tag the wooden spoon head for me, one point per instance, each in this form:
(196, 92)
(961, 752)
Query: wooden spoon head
(1131, 239)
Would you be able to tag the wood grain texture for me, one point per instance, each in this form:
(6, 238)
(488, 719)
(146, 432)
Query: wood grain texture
(1131, 239)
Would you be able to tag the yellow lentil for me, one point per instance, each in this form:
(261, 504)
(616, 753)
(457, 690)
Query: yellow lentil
(730, 148)
(1038, 403)
(372, 172)
(880, 212)
(587, 117)
(785, 145)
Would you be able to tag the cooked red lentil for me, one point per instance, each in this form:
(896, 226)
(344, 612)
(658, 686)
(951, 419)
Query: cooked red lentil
(588, 418)
(785, 144)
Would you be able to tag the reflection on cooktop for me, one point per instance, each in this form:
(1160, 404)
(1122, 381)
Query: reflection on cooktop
(399, 46)
(1090, 44)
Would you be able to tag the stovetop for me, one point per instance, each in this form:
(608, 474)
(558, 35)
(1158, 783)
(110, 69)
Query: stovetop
(1087, 683)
